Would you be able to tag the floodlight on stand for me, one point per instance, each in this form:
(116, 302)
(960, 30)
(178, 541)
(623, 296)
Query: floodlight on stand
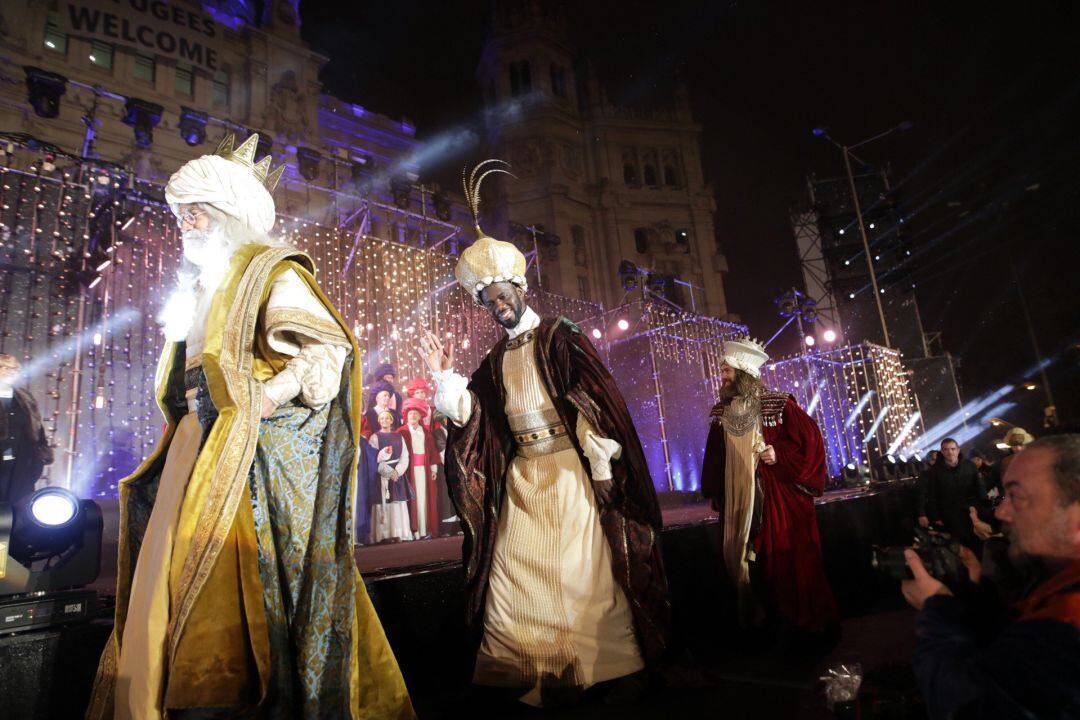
(829, 336)
(50, 540)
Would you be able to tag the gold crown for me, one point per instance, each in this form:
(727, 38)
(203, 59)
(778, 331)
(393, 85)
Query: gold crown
(245, 156)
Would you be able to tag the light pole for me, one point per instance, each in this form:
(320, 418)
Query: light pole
(846, 151)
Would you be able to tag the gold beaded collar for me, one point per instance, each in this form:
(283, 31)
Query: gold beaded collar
(522, 339)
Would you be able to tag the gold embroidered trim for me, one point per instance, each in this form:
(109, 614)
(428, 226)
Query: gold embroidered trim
(302, 322)
(229, 476)
(522, 339)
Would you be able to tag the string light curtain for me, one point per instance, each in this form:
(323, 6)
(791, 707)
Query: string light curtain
(79, 307)
(666, 362)
(859, 396)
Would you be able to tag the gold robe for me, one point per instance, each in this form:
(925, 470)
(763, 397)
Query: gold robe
(217, 648)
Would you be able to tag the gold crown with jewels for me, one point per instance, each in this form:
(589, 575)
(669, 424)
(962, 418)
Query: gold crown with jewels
(244, 155)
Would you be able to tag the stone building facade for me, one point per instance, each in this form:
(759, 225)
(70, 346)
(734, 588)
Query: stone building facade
(262, 78)
(606, 184)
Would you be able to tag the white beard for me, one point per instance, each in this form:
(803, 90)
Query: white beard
(209, 251)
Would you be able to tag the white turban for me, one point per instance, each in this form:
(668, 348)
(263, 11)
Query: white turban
(228, 186)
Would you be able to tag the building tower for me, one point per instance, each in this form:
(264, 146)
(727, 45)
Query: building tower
(599, 184)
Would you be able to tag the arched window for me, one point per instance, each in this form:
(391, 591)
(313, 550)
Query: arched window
(650, 175)
(671, 178)
(629, 174)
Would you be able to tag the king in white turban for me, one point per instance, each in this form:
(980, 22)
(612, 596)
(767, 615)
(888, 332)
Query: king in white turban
(237, 592)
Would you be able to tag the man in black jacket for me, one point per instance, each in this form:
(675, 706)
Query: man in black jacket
(948, 489)
(977, 657)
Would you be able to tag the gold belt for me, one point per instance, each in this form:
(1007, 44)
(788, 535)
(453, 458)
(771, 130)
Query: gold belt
(539, 433)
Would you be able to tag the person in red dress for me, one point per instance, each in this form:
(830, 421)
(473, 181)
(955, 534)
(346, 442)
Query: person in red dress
(764, 465)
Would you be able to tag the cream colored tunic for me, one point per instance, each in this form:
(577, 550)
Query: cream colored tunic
(740, 468)
(555, 615)
(314, 374)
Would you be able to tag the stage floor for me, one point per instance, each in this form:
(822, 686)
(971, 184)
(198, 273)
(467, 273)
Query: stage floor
(383, 561)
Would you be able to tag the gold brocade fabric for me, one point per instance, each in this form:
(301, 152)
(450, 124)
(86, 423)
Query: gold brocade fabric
(140, 677)
(554, 614)
(739, 472)
(216, 647)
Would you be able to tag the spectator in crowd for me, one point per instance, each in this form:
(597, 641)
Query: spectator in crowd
(932, 458)
(974, 656)
(25, 448)
(392, 491)
(1015, 440)
(380, 397)
(948, 489)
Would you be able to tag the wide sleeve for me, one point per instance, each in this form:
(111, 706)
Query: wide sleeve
(592, 390)
(452, 398)
(599, 450)
(297, 325)
(800, 450)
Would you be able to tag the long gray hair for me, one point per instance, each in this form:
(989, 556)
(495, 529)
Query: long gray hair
(745, 385)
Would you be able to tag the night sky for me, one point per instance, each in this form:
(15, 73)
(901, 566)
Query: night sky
(993, 90)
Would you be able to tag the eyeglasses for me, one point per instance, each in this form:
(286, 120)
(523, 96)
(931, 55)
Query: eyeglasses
(188, 217)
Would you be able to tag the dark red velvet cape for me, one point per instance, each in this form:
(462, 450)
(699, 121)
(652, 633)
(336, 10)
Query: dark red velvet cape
(479, 454)
(790, 571)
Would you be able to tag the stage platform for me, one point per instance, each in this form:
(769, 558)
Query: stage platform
(417, 590)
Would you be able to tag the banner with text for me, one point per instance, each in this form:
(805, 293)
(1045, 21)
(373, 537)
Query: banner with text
(151, 26)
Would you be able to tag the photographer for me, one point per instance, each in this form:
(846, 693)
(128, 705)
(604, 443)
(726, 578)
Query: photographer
(1027, 664)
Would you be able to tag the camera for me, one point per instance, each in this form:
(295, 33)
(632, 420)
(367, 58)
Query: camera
(939, 552)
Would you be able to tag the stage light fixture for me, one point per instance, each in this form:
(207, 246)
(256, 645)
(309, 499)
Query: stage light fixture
(841, 231)
(829, 336)
(1030, 386)
(50, 540)
(308, 162)
(628, 276)
(596, 334)
(143, 116)
(193, 125)
(871, 226)
(401, 190)
(623, 324)
(809, 340)
(441, 204)
(44, 90)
